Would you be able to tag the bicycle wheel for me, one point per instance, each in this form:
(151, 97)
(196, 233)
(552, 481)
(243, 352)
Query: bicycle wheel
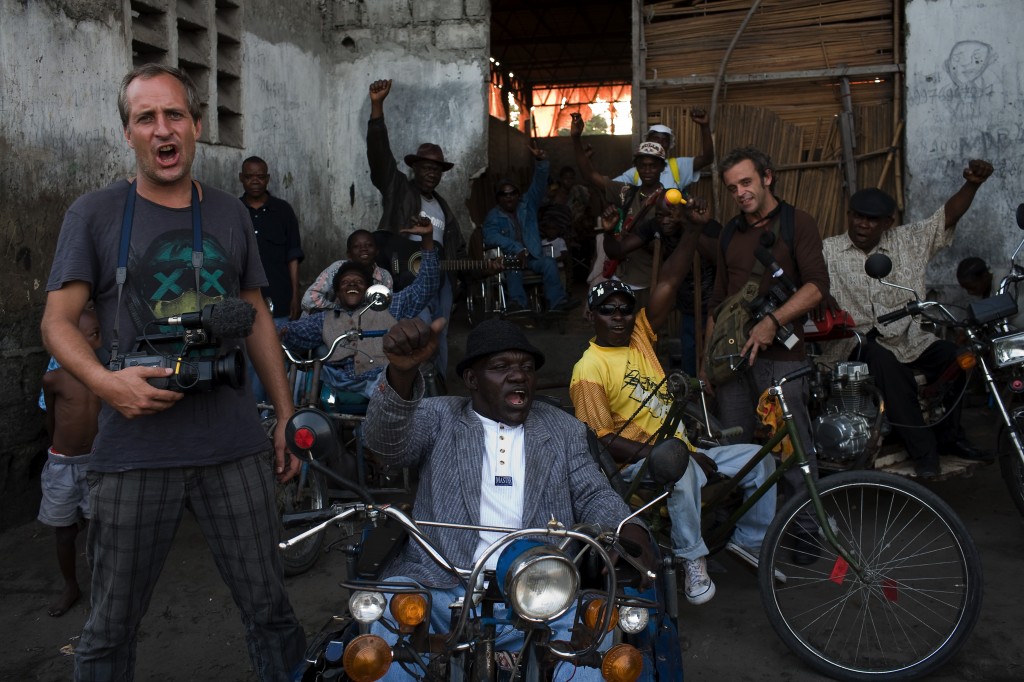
(305, 492)
(915, 602)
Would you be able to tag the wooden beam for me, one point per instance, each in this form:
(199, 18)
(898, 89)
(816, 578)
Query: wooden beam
(810, 74)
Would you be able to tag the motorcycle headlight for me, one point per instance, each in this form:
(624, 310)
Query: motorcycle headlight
(633, 619)
(537, 580)
(1008, 350)
(367, 607)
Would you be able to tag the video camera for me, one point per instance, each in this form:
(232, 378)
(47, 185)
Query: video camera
(202, 331)
(773, 299)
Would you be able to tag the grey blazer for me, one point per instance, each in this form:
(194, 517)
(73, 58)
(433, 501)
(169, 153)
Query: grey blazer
(443, 438)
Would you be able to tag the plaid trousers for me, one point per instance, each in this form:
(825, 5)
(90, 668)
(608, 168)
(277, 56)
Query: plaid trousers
(136, 515)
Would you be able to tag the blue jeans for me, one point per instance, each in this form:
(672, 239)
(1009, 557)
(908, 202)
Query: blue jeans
(684, 503)
(545, 266)
(507, 638)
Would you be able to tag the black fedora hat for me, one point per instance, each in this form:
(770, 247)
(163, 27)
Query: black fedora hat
(428, 151)
(873, 203)
(496, 336)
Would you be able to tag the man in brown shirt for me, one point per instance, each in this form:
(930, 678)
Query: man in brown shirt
(748, 176)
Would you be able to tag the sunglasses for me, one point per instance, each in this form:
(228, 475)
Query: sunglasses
(509, 193)
(608, 309)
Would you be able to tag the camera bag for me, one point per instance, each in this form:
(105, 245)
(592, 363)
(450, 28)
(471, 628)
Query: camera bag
(732, 324)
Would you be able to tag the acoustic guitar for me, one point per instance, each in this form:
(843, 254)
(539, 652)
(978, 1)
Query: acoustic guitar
(402, 257)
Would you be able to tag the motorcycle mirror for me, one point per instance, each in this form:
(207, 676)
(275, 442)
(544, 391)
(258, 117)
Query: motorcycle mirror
(378, 297)
(878, 265)
(1020, 216)
(668, 461)
(310, 434)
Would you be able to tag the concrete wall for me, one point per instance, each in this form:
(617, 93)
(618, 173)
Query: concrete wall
(965, 99)
(435, 52)
(305, 70)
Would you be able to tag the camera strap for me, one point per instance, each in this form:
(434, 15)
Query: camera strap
(121, 274)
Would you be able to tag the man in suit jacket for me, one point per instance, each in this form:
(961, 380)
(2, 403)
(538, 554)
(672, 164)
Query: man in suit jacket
(492, 459)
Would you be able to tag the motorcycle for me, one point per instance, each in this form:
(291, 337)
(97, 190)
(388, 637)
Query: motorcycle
(541, 573)
(847, 411)
(999, 352)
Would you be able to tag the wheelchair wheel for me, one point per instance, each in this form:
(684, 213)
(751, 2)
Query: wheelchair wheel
(305, 492)
(914, 603)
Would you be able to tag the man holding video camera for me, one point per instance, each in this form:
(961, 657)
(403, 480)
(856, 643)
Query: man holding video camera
(163, 246)
(778, 249)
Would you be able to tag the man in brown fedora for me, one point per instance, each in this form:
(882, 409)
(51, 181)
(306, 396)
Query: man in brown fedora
(405, 198)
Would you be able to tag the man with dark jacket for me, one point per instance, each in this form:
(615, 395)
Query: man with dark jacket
(404, 199)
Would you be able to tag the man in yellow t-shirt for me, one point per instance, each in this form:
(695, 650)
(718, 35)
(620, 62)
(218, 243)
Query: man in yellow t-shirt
(620, 373)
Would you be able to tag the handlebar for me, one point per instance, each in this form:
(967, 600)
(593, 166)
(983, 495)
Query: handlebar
(918, 307)
(796, 374)
(346, 337)
(889, 318)
(590, 537)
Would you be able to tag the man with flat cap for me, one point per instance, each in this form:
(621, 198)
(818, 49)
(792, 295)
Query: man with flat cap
(496, 459)
(895, 350)
(406, 198)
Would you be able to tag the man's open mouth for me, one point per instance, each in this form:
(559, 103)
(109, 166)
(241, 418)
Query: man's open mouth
(516, 398)
(167, 154)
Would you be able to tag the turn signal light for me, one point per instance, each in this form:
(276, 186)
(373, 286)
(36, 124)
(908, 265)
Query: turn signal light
(409, 609)
(967, 360)
(594, 612)
(622, 663)
(305, 438)
(367, 658)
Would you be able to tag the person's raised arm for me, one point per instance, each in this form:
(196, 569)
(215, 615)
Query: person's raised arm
(976, 173)
(407, 345)
(583, 162)
(699, 116)
(383, 167)
(539, 182)
(675, 269)
(378, 93)
(421, 225)
(618, 246)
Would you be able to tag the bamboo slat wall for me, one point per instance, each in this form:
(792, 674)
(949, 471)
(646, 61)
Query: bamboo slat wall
(811, 181)
(795, 121)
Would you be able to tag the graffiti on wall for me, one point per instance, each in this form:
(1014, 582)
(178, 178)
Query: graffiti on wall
(969, 84)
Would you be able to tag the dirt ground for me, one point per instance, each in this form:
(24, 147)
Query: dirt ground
(193, 632)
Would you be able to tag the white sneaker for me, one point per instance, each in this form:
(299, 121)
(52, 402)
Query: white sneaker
(698, 586)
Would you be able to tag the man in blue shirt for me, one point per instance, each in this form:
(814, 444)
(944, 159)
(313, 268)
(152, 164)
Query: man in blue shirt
(512, 226)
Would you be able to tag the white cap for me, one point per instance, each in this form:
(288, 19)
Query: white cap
(663, 130)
